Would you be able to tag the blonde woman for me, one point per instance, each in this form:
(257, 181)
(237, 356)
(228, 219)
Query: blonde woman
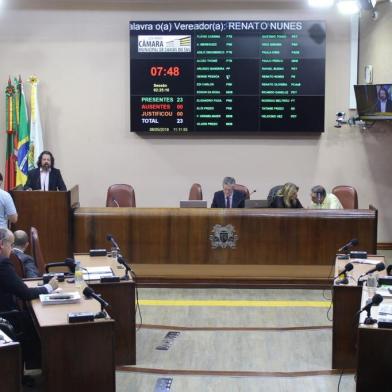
(287, 197)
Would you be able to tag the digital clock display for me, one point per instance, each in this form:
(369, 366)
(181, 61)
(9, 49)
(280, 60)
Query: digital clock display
(227, 76)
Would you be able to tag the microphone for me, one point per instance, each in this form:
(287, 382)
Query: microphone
(375, 301)
(70, 263)
(349, 244)
(378, 267)
(344, 280)
(110, 238)
(90, 293)
(115, 202)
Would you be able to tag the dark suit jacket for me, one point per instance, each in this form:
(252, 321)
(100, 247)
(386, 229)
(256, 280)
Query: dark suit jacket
(56, 182)
(11, 285)
(219, 200)
(30, 268)
(388, 107)
(279, 203)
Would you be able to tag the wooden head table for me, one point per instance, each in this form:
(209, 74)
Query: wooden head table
(211, 244)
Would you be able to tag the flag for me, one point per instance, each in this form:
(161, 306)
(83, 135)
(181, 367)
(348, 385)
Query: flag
(23, 138)
(16, 120)
(36, 141)
(10, 119)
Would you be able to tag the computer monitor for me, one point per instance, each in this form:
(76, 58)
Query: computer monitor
(256, 203)
(193, 204)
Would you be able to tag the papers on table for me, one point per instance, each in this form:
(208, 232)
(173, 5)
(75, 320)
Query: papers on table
(384, 291)
(96, 273)
(60, 298)
(365, 261)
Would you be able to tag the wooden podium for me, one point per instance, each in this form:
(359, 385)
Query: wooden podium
(51, 214)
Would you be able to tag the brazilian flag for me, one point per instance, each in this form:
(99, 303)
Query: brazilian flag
(23, 138)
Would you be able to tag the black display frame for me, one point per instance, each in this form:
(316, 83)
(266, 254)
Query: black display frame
(181, 71)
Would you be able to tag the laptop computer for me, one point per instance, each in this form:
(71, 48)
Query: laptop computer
(193, 203)
(256, 203)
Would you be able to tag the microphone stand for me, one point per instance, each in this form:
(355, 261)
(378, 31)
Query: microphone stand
(101, 314)
(128, 269)
(360, 281)
(343, 280)
(369, 320)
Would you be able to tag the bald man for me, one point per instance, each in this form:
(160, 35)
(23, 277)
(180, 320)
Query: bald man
(21, 243)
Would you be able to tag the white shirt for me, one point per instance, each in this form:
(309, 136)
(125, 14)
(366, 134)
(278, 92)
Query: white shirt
(44, 179)
(331, 202)
(7, 208)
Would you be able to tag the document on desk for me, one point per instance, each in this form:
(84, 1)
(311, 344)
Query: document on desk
(384, 291)
(96, 273)
(60, 298)
(365, 261)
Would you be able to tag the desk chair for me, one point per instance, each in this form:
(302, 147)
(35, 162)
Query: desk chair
(18, 265)
(243, 189)
(272, 193)
(347, 196)
(36, 251)
(120, 195)
(195, 193)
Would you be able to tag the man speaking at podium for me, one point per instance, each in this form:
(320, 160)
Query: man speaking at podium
(229, 197)
(46, 177)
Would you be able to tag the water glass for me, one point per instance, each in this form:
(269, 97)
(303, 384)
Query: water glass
(114, 253)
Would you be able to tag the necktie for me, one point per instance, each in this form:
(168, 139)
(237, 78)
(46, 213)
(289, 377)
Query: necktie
(227, 202)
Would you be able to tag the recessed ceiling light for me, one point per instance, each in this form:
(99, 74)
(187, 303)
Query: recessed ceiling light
(321, 3)
(348, 7)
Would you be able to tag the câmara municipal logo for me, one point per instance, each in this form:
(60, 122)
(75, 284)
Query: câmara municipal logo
(223, 237)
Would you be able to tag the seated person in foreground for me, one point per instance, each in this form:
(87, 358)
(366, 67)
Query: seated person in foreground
(45, 177)
(12, 287)
(229, 197)
(320, 199)
(20, 245)
(287, 197)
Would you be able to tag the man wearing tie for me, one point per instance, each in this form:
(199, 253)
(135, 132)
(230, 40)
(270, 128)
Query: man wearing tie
(229, 197)
(46, 177)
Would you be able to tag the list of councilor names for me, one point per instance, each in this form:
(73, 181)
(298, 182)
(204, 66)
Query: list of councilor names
(243, 76)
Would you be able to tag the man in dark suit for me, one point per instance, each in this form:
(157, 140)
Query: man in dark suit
(12, 286)
(21, 243)
(229, 197)
(384, 104)
(46, 177)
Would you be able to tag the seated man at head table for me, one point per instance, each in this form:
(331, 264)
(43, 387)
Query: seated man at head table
(21, 243)
(287, 197)
(228, 197)
(12, 286)
(7, 207)
(45, 177)
(320, 199)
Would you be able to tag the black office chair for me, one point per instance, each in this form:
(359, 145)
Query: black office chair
(272, 193)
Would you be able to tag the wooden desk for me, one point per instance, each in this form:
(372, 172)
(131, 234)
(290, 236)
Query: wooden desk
(154, 239)
(51, 214)
(121, 297)
(374, 364)
(346, 303)
(75, 357)
(10, 364)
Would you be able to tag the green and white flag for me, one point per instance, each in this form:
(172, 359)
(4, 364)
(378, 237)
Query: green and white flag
(36, 140)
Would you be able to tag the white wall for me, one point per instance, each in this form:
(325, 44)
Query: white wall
(82, 59)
